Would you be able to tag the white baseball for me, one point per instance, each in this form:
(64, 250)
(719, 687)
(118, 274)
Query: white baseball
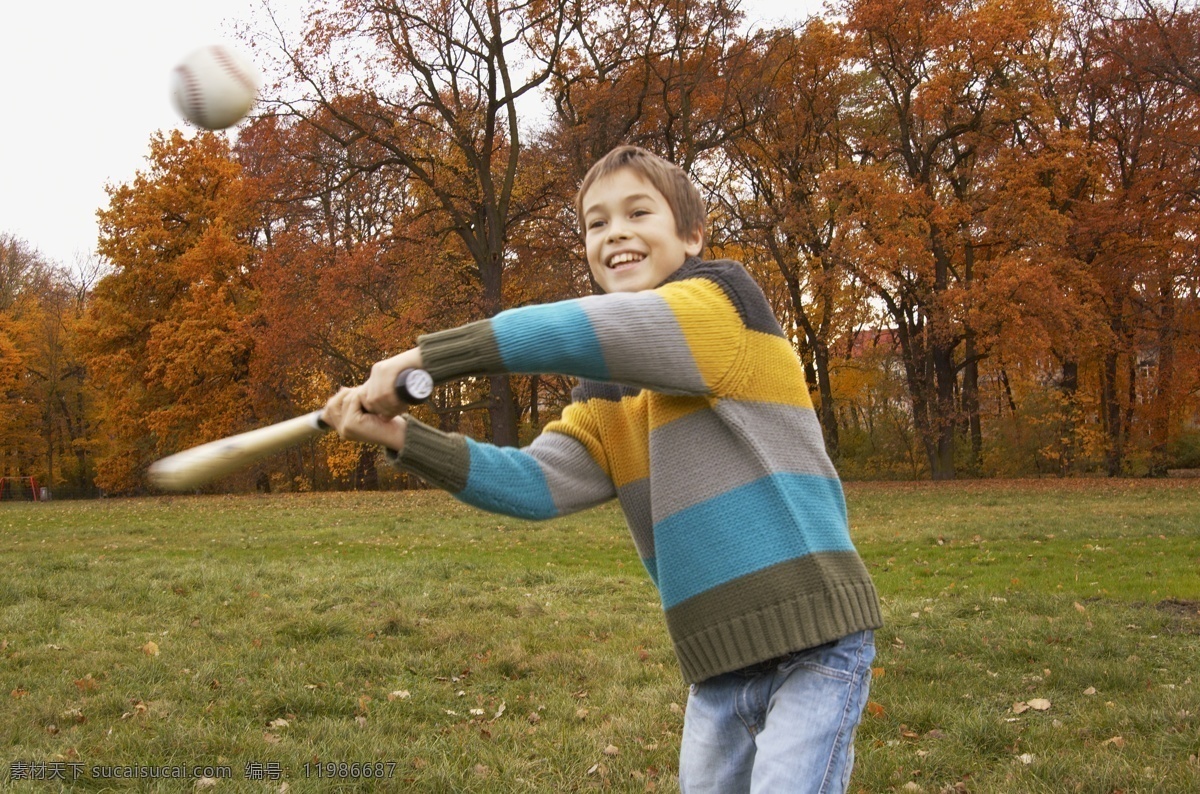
(215, 86)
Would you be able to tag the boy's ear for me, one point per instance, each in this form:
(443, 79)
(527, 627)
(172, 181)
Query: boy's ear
(693, 242)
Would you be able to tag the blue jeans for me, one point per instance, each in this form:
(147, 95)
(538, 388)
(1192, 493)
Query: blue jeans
(784, 727)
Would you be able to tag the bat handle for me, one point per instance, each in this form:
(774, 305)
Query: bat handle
(413, 387)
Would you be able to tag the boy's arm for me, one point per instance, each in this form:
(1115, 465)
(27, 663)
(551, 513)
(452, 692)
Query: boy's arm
(688, 336)
(685, 337)
(562, 471)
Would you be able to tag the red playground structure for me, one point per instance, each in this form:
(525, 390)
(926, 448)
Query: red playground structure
(21, 489)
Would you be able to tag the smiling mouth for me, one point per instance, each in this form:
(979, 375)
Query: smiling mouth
(624, 261)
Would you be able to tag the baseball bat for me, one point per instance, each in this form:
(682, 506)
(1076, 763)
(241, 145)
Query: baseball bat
(207, 462)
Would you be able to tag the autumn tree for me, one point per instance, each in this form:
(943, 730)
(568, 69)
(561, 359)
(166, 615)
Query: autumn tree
(678, 78)
(437, 89)
(948, 91)
(346, 272)
(778, 200)
(24, 279)
(1134, 224)
(166, 341)
(45, 431)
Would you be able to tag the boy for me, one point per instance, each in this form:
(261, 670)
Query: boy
(693, 411)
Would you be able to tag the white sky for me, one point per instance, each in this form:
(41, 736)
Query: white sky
(87, 85)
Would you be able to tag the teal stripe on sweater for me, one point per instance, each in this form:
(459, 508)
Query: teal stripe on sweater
(771, 520)
(550, 338)
(507, 480)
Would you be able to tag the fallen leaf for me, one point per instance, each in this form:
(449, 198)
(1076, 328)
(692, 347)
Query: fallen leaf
(206, 782)
(611, 750)
(581, 714)
(877, 672)
(1025, 758)
(1020, 707)
(86, 684)
(399, 694)
(271, 738)
(1080, 607)
(499, 711)
(1039, 704)
(477, 712)
(1090, 690)
(875, 709)
(482, 771)
(361, 721)
(278, 723)
(1116, 741)
(150, 648)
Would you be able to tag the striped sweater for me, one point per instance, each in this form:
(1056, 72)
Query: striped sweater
(693, 411)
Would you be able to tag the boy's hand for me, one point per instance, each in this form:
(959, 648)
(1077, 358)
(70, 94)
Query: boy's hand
(378, 393)
(344, 413)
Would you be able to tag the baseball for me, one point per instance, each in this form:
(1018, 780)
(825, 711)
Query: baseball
(215, 86)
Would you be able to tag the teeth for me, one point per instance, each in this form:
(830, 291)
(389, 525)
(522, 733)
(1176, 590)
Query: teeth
(621, 259)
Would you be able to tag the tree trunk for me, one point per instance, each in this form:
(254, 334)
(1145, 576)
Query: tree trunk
(1163, 392)
(825, 410)
(366, 474)
(535, 420)
(970, 405)
(1110, 409)
(945, 413)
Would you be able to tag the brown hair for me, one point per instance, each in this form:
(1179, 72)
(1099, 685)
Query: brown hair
(669, 179)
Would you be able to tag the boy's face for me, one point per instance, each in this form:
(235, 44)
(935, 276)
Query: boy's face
(629, 233)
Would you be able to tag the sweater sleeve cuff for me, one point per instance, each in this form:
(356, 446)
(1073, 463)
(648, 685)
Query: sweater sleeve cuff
(467, 350)
(441, 459)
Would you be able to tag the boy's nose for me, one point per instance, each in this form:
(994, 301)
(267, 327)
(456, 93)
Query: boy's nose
(617, 231)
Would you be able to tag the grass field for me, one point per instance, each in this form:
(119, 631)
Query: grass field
(1040, 637)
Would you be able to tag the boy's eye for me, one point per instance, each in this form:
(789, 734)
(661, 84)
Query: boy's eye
(596, 224)
(639, 213)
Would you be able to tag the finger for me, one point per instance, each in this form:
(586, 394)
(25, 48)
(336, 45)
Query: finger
(380, 399)
(332, 411)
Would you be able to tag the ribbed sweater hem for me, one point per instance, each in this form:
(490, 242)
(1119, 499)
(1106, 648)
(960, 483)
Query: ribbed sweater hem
(778, 629)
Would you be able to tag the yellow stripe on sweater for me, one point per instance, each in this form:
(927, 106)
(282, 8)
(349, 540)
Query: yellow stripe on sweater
(733, 360)
(626, 437)
(580, 422)
(775, 372)
(711, 326)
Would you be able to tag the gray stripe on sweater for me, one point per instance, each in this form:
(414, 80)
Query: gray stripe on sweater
(643, 343)
(732, 445)
(575, 480)
(635, 503)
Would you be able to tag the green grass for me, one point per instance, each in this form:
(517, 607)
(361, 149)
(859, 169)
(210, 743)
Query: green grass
(471, 652)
